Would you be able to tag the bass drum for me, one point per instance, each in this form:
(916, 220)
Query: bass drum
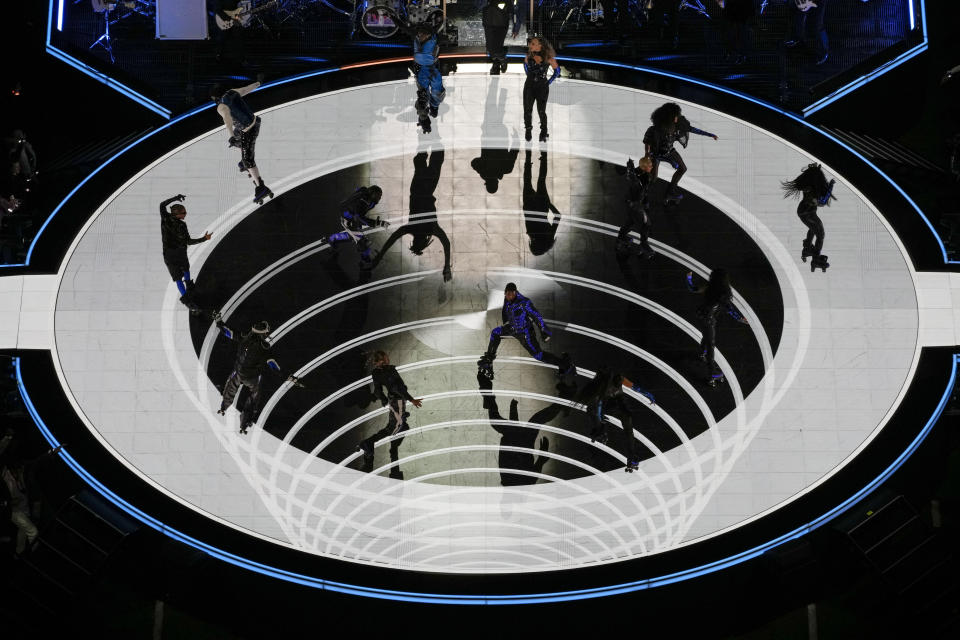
(425, 11)
(379, 18)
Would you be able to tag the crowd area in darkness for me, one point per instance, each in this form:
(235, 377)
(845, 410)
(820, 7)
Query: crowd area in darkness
(18, 197)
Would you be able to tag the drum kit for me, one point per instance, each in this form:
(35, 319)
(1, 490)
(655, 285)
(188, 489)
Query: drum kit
(378, 18)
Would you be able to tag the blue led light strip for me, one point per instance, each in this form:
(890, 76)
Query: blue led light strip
(93, 73)
(876, 73)
(533, 598)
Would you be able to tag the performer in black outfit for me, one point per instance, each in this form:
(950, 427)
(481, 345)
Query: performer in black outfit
(385, 376)
(817, 9)
(495, 16)
(537, 208)
(716, 299)
(539, 61)
(519, 317)
(354, 220)
(669, 127)
(175, 239)
(736, 15)
(229, 41)
(638, 209)
(243, 125)
(424, 229)
(253, 353)
(815, 192)
(603, 397)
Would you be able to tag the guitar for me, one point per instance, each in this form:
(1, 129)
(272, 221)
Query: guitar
(244, 13)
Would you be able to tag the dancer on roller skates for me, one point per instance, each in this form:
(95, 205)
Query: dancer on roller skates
(540, 59)
(430, 91)
(716, 293)
(243, 125)
(638, 209)
(669, 127)
(176, 238)
(603, 396)
(354, 219)
(385, 376)
(816, 192)
(426, 176)
(519, 317)
(253, 353)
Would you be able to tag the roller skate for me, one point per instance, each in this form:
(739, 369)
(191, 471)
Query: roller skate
(434, 111)
(599, 435)
(716, 377)
(242, 166)
(808, 251)
(244, 426)
(485, 367)
(819, 261)
(262, 191)
(645, 250)
(632, 465)
(424, 123)
(672, 197)
(367, 448)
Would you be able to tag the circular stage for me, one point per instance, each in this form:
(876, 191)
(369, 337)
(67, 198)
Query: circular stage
(491, 482)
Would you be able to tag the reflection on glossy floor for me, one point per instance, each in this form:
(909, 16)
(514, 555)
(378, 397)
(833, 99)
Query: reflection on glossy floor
(511, 487)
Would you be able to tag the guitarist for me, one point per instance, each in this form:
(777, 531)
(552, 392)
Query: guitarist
(229, 41)
(817, 10)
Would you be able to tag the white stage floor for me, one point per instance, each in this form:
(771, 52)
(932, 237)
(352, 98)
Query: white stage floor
(850, 338)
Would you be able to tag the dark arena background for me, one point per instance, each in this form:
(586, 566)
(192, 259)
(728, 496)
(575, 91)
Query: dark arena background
(193, 442)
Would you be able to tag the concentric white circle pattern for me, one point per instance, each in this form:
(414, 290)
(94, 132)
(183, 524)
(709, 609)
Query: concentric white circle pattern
(126, 358)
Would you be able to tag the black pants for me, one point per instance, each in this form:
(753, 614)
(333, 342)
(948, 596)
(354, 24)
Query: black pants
(177, 262)
(637, 220)
(248, 143)
(494, 37)
(527, 338)
(814, 230)
(616, 407)
(396, 423)
(535, 91)
(800, 25)
(708, 344)
(679, 168)
(249, 402)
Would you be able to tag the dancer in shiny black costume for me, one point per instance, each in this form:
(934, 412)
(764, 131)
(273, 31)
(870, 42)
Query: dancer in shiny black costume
(669, 127)
(814, 191)
(385, 376)
(638, 209)
(716, 300)
(176, 239)
(253, 354)
(540, 60)
(604, 397)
